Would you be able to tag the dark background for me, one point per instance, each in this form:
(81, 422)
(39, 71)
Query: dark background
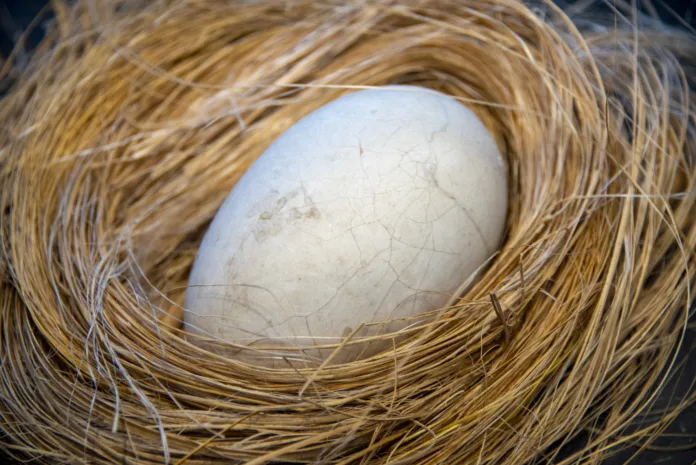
(678, 445)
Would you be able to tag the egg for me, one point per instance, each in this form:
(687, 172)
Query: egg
(374, 207)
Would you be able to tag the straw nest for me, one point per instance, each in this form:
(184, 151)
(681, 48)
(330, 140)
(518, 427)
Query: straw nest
(133, 121)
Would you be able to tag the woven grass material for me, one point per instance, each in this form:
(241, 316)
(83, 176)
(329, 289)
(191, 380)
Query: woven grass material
(134, 121)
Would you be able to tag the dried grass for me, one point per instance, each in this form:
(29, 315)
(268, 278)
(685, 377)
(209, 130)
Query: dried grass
(134, 120)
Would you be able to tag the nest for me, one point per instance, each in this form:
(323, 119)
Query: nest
(133, 121)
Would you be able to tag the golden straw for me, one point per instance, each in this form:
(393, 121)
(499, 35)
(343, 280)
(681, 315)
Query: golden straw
(133, 122)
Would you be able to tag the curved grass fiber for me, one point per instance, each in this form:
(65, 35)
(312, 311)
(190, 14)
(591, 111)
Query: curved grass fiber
(134, 120)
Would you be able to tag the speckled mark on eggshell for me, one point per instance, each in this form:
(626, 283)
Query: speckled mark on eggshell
(356, 209)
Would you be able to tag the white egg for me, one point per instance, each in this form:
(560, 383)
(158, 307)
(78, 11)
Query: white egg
(377, 205)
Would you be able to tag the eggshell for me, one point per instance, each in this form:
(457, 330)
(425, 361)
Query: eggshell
(377, 205)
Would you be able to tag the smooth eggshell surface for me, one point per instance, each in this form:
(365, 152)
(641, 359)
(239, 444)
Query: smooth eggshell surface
(347, 216)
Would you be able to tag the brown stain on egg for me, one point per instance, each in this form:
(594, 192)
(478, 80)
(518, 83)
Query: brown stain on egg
(313, 212)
